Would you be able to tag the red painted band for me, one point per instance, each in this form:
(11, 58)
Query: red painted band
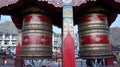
(35, 39)
(27, 19)
(43, 19)
(95, 39)
(87, 19)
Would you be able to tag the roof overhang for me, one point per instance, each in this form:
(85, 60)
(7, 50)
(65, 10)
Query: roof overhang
(14, 8)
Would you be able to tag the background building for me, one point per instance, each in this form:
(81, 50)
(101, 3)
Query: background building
(57, 45)
(8, 40)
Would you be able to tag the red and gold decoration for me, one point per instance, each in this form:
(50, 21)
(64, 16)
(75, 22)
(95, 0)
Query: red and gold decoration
(68, 38)
(94, 36)
(36, 36)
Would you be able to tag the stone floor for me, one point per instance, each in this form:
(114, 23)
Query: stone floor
(10, 63)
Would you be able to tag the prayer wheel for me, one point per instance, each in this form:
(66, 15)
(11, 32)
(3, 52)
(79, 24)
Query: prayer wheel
(94, 36)
(36, 37)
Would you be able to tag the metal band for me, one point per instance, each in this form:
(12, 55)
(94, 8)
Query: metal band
(92, 23)
(32, 27)
(36, 45)
(90, 29)
(95, 53)
(94, 48)
(94, 32)
(93, 27)
(37, 32)
(96, 57)
(37, 23)
(36, 49)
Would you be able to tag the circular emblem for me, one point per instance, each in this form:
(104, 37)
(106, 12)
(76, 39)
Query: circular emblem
(97, 39)
(25, 40)
(67, 1)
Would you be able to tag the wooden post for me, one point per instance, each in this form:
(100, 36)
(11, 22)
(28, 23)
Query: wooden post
(17, 60)
(68, 52)
(68, 36)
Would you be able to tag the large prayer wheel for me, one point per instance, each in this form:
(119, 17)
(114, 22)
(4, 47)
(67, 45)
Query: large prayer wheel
(94, 36)
(36, 36)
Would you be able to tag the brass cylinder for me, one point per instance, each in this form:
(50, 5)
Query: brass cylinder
(36, 37)
(94, 36)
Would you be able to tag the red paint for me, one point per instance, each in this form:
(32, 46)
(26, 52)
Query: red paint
(68, 51)
(43, 19)
(109, 62)
(17, 57)
(85, 19)
(18, 49)
(34, 39)
(101, 17)
(91, 39)
(93, 17)
(97, 17)
(27, 19)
